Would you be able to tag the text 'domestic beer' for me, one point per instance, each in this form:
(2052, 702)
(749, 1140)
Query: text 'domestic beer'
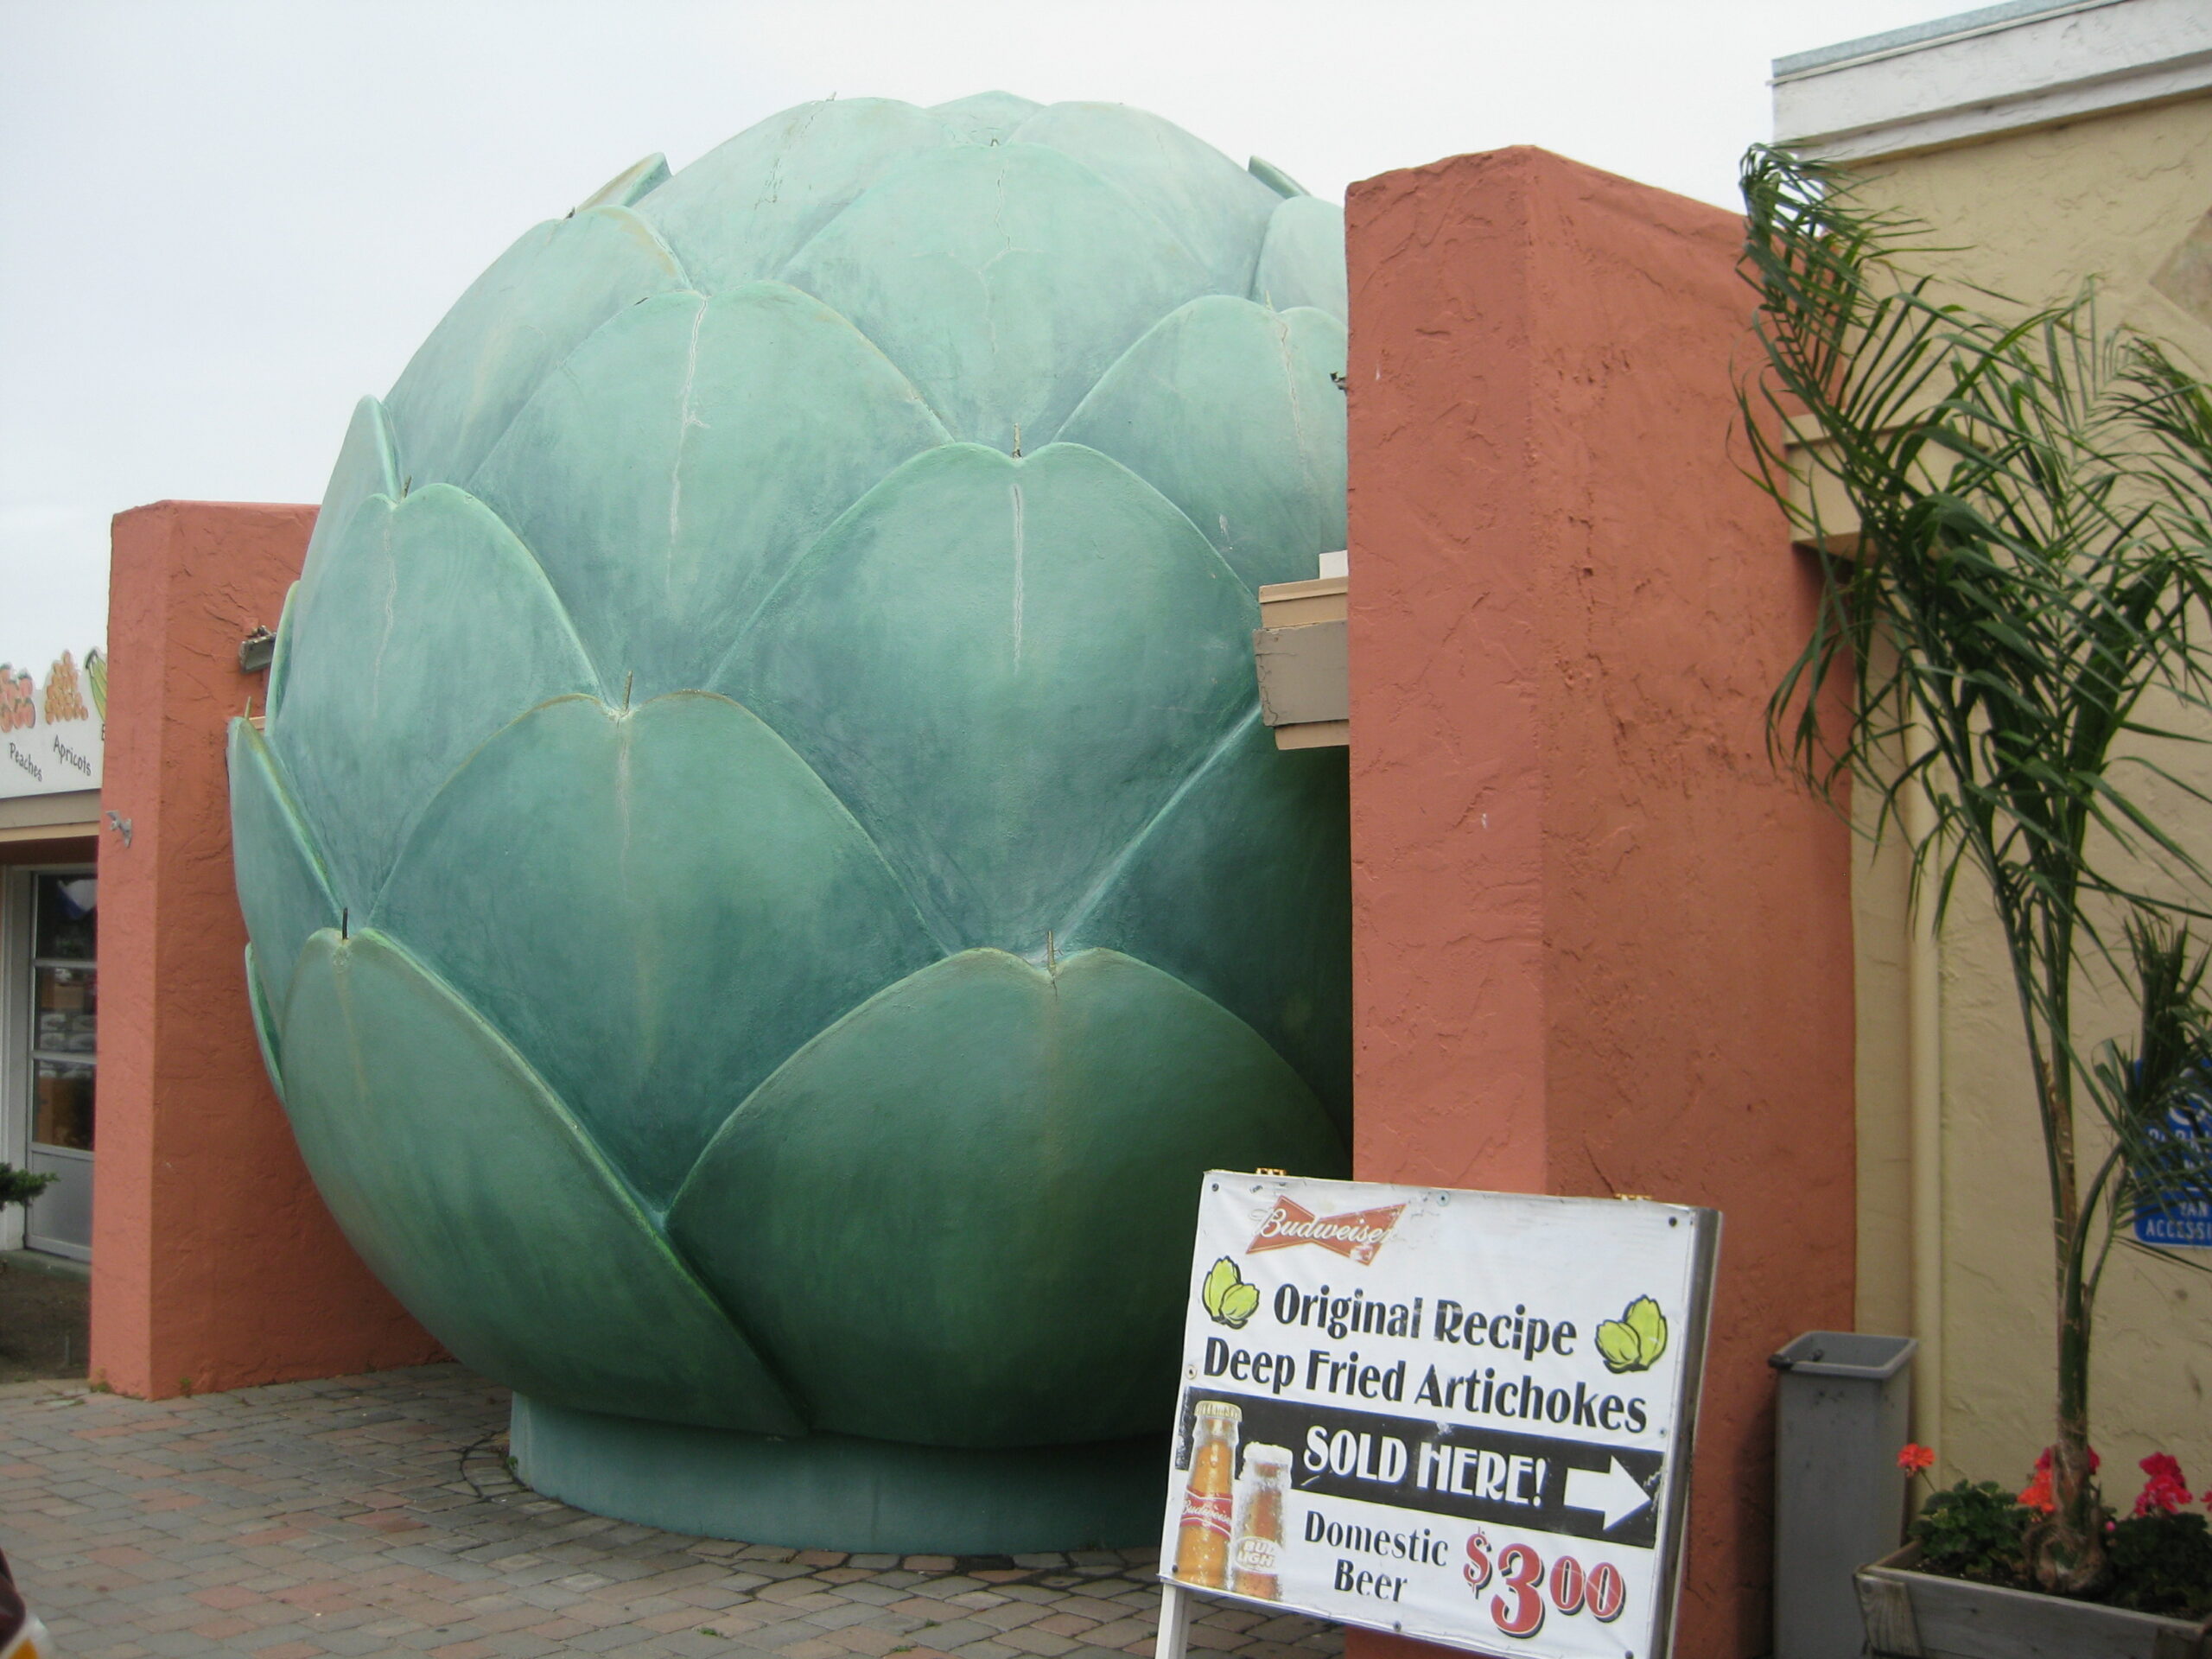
(1202, 1544)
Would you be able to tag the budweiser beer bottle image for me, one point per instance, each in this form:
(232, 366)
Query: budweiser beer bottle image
(1201, 1540)
(1257, 1547)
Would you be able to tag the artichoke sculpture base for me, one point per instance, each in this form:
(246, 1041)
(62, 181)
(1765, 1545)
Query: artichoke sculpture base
(838, 1492)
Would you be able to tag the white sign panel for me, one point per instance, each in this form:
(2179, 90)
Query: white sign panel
(51, 729)
(1461, 1416)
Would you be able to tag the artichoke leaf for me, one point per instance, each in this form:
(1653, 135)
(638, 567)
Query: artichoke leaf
(280, 656)
(264, 1024)
(1021, 276)
(634, 184)
(1275, 178)
(484, 1208)
(688, 906)
(1000, 721)
(985, 117)
(367, 469)
(1196, 894)
(1636, 1340)
(389, 680)
(1302, 261)
(702, 446)
(1220, 1278)
(283, 888)
(741, 210)
(367, 465)
(1226, 1297)
(1022, 1144)
(1650, 1325)
(1227, 410)
(1215, 208)
(538, 302)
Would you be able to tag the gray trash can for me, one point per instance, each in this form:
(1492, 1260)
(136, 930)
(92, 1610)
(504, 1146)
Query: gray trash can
(1842, 1413)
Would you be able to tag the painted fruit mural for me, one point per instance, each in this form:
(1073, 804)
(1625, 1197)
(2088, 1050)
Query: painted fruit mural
(765, 878)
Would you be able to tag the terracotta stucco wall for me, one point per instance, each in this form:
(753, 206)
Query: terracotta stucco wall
(1600, 947)
(2032, 215)
(214, 1264)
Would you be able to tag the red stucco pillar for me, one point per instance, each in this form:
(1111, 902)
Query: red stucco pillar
(214, 1264)
(1600, 947)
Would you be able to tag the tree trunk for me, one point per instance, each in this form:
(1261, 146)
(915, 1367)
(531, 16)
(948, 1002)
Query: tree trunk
(2066, 1549)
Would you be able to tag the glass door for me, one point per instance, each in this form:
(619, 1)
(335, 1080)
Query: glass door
(64, 1058)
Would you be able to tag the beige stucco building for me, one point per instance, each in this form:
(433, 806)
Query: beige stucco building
(2049, 145)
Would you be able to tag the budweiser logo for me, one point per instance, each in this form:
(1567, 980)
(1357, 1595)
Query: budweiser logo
(1357, 1233)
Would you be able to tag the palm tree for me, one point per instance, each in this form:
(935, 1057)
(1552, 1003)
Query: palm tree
(2027, 579)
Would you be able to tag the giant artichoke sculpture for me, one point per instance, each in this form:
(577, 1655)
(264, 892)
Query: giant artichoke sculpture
(765, 878)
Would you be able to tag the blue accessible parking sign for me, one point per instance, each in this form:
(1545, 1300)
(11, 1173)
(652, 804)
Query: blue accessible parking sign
(2182, 1220)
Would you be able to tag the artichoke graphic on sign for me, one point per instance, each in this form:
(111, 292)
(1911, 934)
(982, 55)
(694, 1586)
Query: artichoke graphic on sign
(1228, 1299)
(763, 867)
(1635, 1341)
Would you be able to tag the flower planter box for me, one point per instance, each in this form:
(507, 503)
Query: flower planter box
(1920, 1615)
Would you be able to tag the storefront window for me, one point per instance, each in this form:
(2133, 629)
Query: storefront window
(61, 1110)
(66, 912)
(68, 1007)
(64, 1011)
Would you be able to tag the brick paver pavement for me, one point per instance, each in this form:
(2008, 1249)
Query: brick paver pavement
(373, 1514)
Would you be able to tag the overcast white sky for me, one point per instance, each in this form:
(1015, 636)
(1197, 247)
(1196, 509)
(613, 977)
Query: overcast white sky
(227, 220)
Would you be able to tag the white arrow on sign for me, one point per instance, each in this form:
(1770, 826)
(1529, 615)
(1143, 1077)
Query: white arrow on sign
(1614, 1493)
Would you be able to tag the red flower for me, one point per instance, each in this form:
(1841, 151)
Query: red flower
(2035, 1495)
(1914, 1459)
(2165, 1490)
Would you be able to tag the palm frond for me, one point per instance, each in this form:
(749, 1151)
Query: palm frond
(2156, 1097)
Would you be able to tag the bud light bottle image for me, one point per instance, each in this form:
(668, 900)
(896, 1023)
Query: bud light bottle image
(1257, 1550)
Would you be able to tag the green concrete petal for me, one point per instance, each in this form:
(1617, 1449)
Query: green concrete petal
(1002, 281)
(985, 117)
(1302, 263)
(538, 302)
(367, 468)
(742, 209)
(421, 631)
(280, 655)
(688, 906)
(368, 464)
(472, 1195)
(264, 1024)
(1002, 668)
(962, 1217)
(1227, 409)
(631, 186)
(1241, 888)
(1215, 208)
(281, 885)
(1275, 178)
(701, 445)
